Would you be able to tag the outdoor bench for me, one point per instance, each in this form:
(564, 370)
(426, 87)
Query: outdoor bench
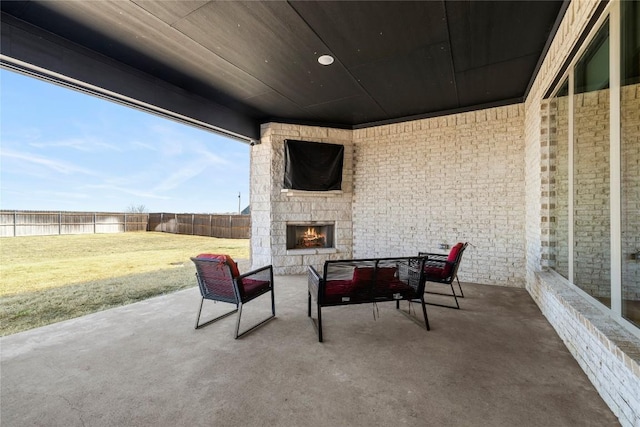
(360, 281)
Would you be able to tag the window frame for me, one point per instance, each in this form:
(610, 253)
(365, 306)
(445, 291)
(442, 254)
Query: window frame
(613, 15)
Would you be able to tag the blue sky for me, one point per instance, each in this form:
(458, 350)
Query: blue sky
(64, 150)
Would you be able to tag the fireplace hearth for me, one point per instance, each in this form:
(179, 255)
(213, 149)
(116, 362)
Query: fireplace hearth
(312, 235)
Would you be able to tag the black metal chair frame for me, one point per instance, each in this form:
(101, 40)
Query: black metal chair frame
(317, 285)
(237, 299)
(440, 261)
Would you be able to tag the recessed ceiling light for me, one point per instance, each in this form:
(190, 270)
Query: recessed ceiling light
(326, 59)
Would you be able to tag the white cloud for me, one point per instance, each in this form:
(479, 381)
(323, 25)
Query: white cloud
(52, 164)
(182, 175)
(126, 190)
(143, 145)
(78, 143)
(66, 195)
(211, 158)
(23, 133)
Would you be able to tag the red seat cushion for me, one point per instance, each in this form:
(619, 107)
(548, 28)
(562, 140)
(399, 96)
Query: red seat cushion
(340, 290)
(225, 259)
(339, 287)
(392, 288)
(399, 286)
(436, 272)
(453, 255)
(363, 276)
(442, 272)
(252, 287)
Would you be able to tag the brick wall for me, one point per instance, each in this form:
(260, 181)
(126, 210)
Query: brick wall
(608, 355)
(444, 180)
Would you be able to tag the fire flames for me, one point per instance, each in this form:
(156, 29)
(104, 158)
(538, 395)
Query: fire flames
(311, 239)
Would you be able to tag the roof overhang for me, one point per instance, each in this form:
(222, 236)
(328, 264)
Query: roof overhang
(230, 66)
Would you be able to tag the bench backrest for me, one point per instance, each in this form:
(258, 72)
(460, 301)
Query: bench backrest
(373, 273)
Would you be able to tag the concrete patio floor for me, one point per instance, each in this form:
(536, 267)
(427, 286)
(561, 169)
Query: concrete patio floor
(495, 362)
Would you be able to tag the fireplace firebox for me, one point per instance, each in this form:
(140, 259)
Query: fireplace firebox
(312, 235)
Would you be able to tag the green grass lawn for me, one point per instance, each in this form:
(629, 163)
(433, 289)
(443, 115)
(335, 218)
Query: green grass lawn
(46, 279)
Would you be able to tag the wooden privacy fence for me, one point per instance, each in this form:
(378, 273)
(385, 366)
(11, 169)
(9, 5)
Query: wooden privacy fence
(42, 223)
(224, 226)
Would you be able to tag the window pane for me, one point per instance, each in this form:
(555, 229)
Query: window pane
(630, 12)
(592, 71)
(630, 160)
(592, 252)
(559, 180)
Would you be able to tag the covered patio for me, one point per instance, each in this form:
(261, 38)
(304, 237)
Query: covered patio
(496, 362)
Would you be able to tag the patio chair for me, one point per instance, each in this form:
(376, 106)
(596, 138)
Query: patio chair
(442, 268)
(219, 280)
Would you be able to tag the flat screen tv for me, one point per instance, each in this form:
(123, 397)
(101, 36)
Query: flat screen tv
(312, 166)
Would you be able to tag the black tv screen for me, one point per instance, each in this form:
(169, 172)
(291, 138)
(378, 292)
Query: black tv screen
(312, 166)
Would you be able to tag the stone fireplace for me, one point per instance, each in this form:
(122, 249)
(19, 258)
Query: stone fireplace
(292, 229)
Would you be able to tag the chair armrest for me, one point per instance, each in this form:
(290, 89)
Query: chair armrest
(263, 275)
(437, 263)
(433, 256)
(254, 283)
(410, 273)
(314, 273)
(260, 271)
(435, 260)
(315, 282)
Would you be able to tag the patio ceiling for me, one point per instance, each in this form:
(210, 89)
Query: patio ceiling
(235, 64)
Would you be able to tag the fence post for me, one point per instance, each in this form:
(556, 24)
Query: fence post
(210, 225)
(230, 226)
(125, 222)
(15, 225)
(193, 222)
(59, 223)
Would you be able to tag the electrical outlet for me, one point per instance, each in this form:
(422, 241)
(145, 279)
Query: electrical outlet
(443, 246)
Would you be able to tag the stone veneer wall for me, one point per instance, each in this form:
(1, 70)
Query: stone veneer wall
(271, 209)
(444, 180)
(607, 352)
